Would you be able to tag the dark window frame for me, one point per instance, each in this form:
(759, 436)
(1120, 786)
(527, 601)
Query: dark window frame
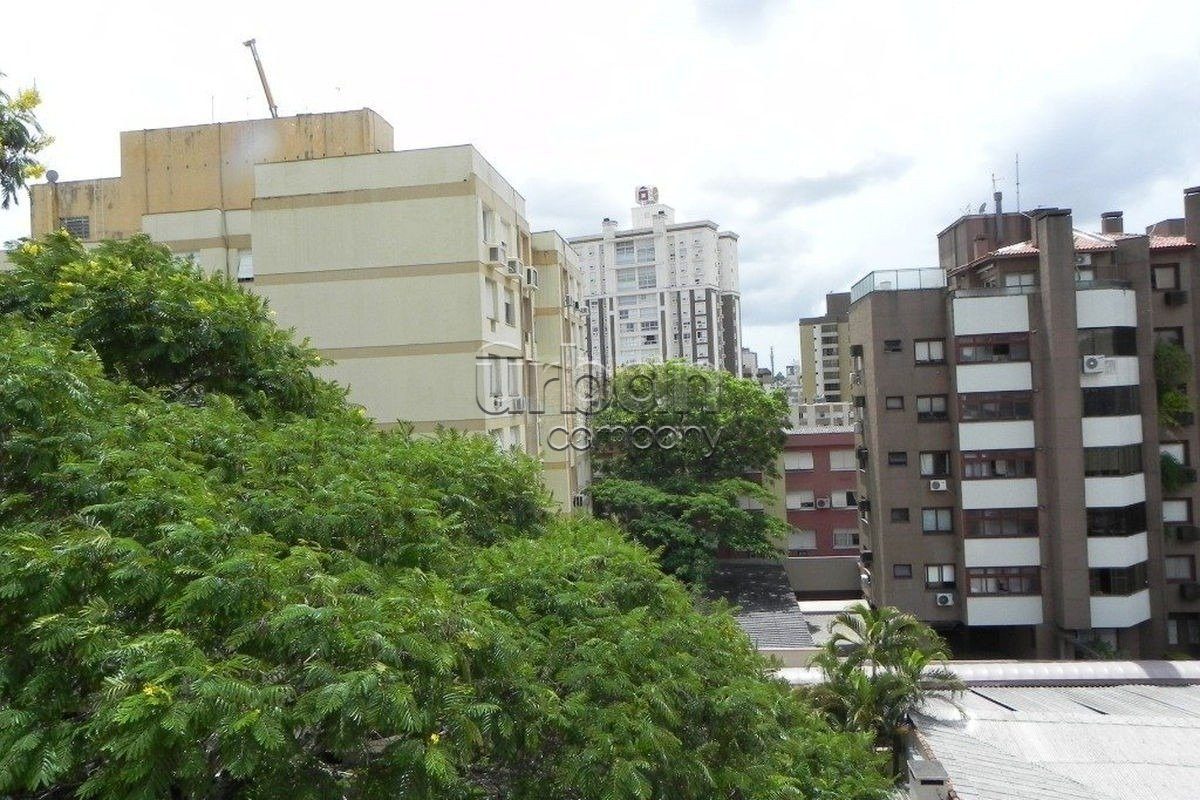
(1191, 568)
(975, 461)
(893, 345)
(1112, 462)
(931, 415)
(897, 458)
(888, 404)
(995, 406)
(898, 572)
(1154, 268)
(942, 583)
(1118, 581)
(938, 516)
(936, 473)
(1112, 401)
(1116, 340)
(929, 361)
(1000, 347)
(1020, 520)
(1117, 520)
(1027, 580)
(900, 515)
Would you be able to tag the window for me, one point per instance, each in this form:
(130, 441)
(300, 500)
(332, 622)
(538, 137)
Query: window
(939, 576)
(625, 254)
(891, 346)
(801, 499)
(510, 307)
(980, 406)
(1165, 276)
(992, 348)
(495, 377)
(998, 464)
(793, 460)
(935, 464)
(897, 458)
(1183, 630)
(1117, 580)
(1117, 520)
(1112, 461)
(931, 408)
(1001, 522)
(937, 520)
(842, 498)
(645, 250)
(1169, 336)
(894, 403)
(245, 265)
(842, 460)
(489, 299)
(1112, 401)
(1176, 450)
(930, 351)
(79, 227)
(800, 541)
(1179, 569)
(489, 225)
(1021, 279)
(845, 539)
(902, 571)
(1108, 342)
(1004, 580)
(1176, 511)
(899, 515)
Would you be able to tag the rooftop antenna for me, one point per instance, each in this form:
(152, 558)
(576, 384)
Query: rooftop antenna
(262, 76)
(1018, 183)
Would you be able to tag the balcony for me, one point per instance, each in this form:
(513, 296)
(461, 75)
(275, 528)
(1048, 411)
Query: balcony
(1117, 611)
(898, 280)
(1014, 610)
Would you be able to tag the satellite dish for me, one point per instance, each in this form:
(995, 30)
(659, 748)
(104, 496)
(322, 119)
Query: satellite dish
(52, 176)
(982, 208)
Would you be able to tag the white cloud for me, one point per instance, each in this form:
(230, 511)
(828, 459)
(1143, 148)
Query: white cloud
(834, 139)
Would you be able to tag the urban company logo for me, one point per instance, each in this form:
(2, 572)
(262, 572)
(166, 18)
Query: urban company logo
(573, 395)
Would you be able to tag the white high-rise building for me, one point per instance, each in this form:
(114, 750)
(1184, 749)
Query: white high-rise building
(661, 290)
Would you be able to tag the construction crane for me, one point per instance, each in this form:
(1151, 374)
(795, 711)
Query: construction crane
(262, 76)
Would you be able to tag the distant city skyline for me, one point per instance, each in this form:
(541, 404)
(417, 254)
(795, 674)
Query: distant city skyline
(834, 143)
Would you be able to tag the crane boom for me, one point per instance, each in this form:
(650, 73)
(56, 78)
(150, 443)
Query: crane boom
(262, 76)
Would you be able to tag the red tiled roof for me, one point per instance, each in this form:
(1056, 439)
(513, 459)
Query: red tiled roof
(1085, 242)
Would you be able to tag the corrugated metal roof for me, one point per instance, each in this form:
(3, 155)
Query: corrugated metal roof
(1132, 742)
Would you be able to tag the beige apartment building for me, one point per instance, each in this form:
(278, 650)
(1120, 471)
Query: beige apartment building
(1026, 468)
(412, 271)
(825, 352)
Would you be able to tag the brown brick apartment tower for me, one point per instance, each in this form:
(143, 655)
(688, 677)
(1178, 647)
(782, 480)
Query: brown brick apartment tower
(1019, 487)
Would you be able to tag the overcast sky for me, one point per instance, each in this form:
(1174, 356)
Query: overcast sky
(835, 138)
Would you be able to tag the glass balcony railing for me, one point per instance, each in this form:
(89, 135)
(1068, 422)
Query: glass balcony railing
(898, 280)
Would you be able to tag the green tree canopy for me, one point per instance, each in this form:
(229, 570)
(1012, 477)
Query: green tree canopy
(218, 580)
(683, 495)
(21, 139)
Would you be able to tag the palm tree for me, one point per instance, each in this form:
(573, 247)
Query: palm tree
(879, 666)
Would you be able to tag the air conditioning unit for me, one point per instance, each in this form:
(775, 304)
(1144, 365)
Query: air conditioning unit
(1083, 259)
(939, 485)
(497, 254)
(822, 502)
(514, 267)
(531, 277)
(943, 599)
(1093, 365)
(518, 404)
